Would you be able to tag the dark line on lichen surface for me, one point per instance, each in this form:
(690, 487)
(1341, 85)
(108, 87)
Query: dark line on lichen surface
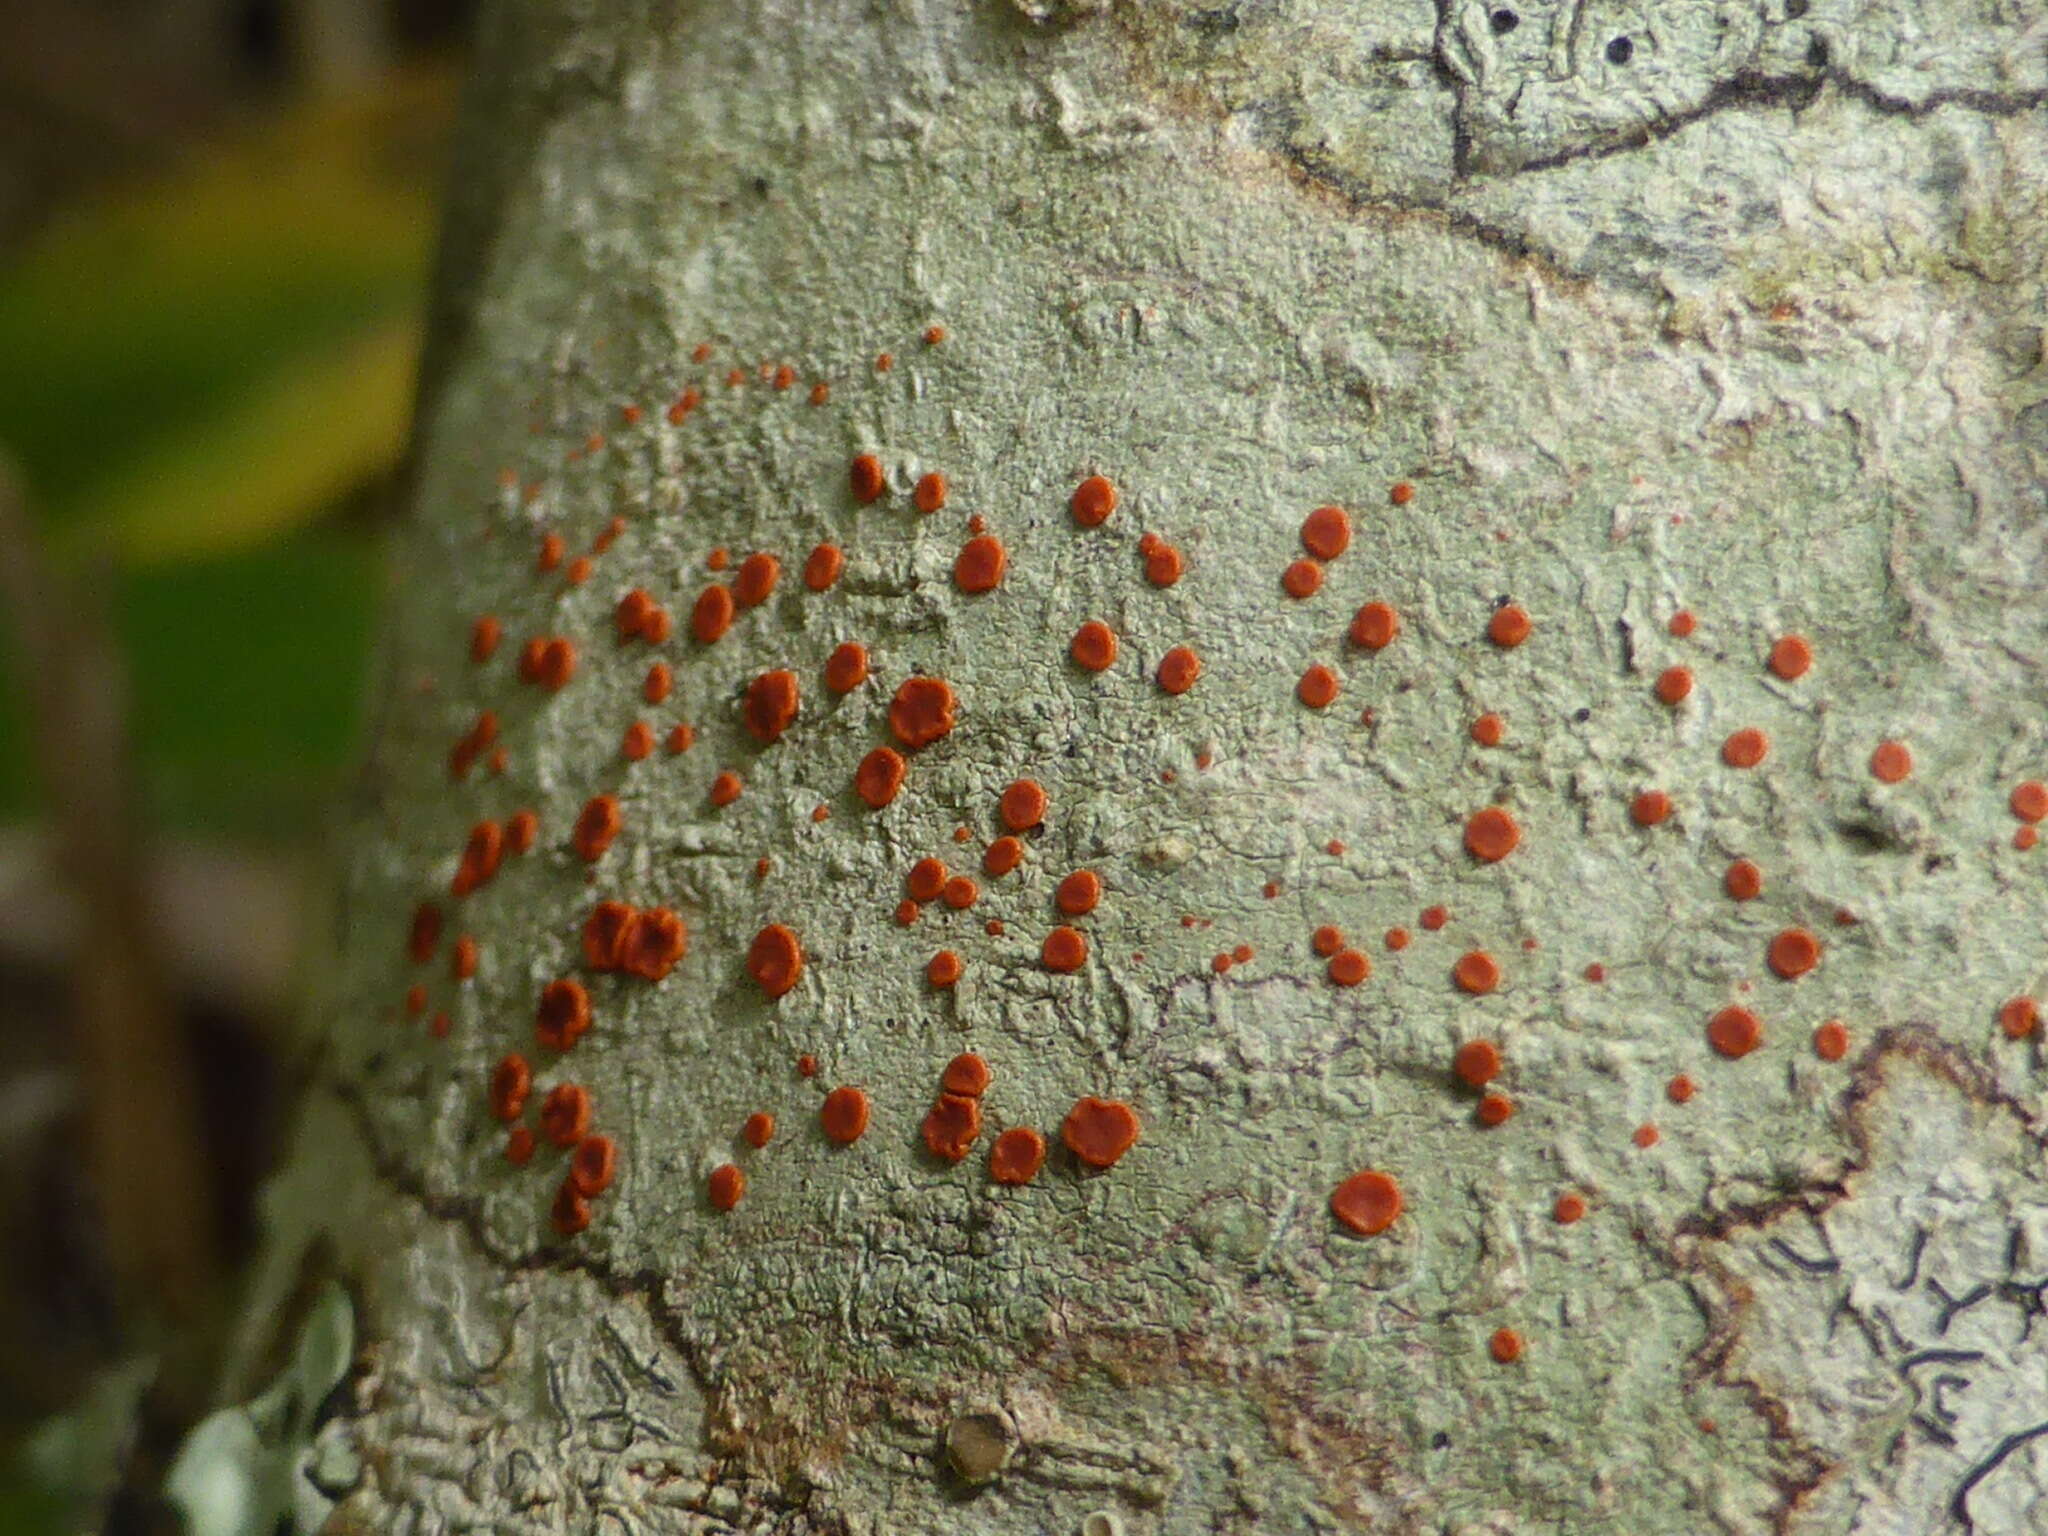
(1959, 1506)
(1941, 1357)
(1826, 1266)
(1312, 168)
(1751, 89)
(643, 1287)
(1951, 1305)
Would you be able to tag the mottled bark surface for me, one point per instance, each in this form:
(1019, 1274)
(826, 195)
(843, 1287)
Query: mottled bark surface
(1703, 308)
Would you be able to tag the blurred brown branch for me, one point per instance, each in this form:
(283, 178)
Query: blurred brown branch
(140, 1098)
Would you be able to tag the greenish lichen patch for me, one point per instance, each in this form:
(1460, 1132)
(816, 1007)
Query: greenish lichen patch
(1238, 293)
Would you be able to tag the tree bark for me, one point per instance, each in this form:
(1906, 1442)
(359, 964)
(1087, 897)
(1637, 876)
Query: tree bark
(1680, 333)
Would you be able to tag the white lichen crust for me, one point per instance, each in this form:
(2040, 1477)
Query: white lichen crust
(1746, 324)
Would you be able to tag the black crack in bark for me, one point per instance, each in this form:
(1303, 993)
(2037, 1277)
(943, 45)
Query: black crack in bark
(1685, 1251)
(1315, 172)
(1959, 1507)
(1756, 90)
(643, 1288)
(1743, 88)
(1357, 1469)
(1277, 122)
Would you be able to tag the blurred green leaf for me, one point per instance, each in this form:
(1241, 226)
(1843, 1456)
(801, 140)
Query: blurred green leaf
(146, 316)
(248, 676)
(339, 414)
(199, 372)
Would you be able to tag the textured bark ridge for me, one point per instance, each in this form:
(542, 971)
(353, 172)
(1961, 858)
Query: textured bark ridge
(1678, 377)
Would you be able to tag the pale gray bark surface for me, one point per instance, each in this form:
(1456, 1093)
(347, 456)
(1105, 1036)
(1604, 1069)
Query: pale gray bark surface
(1746, 323)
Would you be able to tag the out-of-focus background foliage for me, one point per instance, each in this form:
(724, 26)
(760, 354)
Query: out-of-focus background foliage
(216, 219)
